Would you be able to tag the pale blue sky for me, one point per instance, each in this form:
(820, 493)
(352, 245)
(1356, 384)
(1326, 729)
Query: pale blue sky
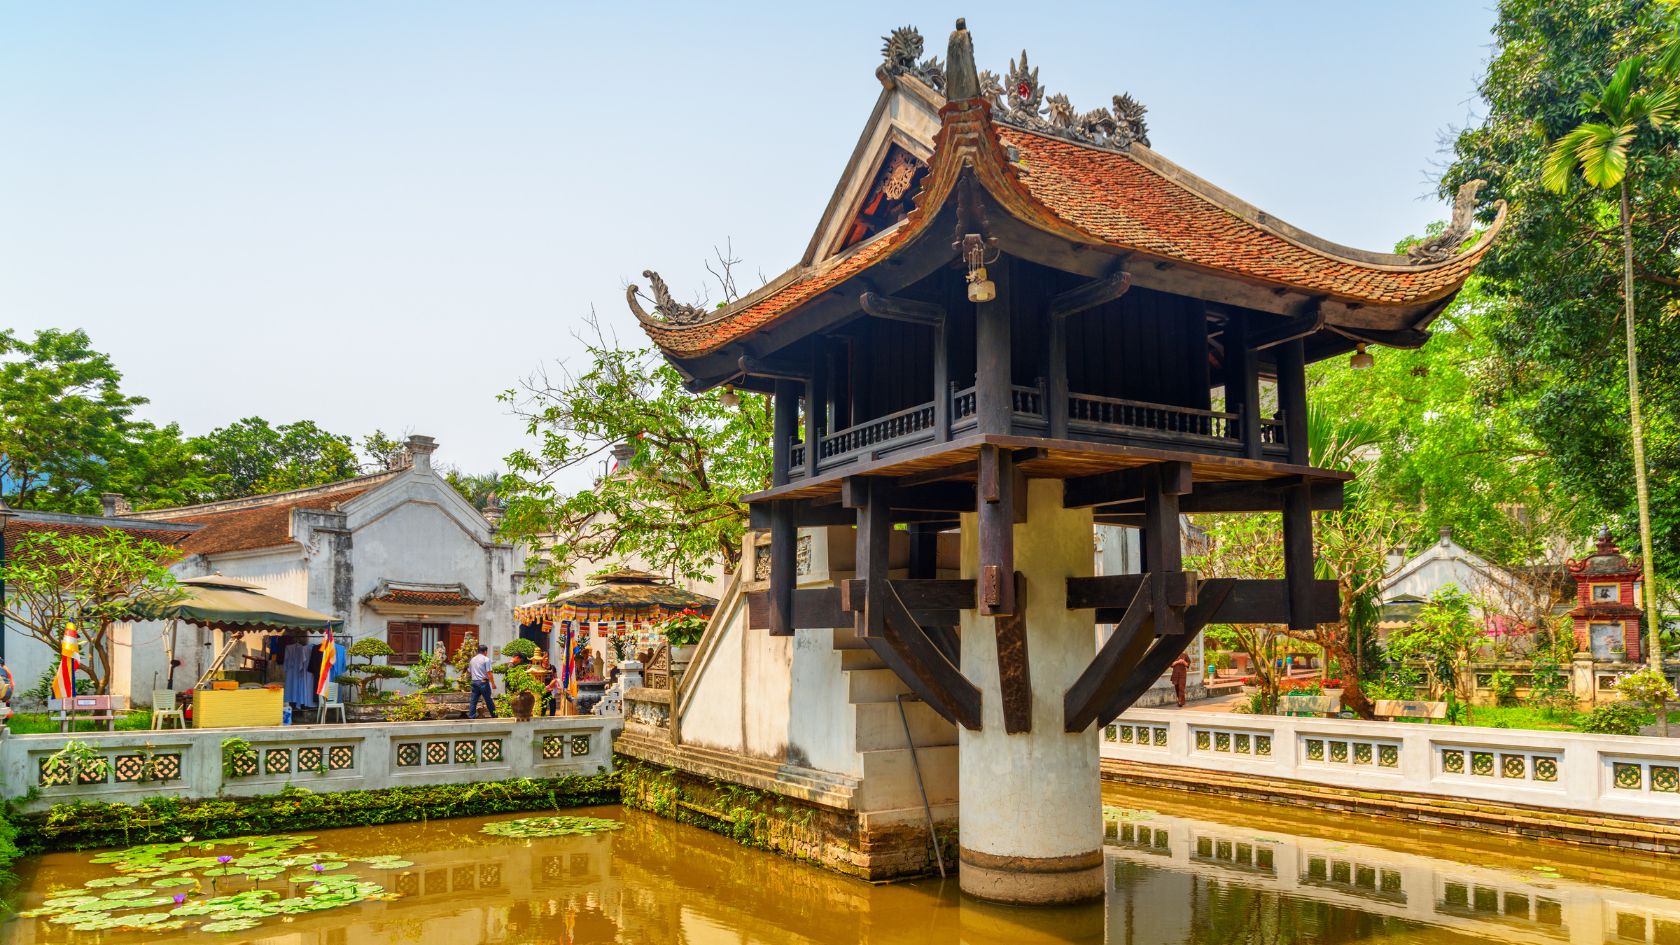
(383, 214)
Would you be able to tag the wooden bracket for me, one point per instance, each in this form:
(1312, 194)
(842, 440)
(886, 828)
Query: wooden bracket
(1112, 664)
(908, 650)
(1014, 670)
(1152, 664)
(998, 499)
(902, 310)
(1090, 295)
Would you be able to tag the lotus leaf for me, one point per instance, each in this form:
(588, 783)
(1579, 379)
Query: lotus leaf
(528, 827)
(229, 925)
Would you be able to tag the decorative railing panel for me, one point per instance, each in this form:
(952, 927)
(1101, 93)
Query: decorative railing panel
(878, 432)
(1135, 415)
(1027, 400)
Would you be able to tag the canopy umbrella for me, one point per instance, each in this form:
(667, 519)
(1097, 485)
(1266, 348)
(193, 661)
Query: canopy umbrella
(231, 605)
(621, 596)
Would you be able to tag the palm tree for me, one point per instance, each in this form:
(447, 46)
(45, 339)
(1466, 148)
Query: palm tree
(1600, 148)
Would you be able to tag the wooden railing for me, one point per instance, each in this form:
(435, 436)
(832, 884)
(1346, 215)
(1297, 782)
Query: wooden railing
(796, 459)
(893, 426)
(1095, 411)
(964, 406)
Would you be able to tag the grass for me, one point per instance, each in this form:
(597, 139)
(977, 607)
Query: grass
(42, 723)
(1516, 716)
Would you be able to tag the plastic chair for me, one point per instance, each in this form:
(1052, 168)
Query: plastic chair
(328, 708)
(165, 707)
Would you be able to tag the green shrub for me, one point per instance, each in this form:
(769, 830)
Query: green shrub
(521, 647)
(1616, 718)
(371, 647)
(1503, 688)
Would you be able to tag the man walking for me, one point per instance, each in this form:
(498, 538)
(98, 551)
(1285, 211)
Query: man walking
(1180, 675)
(483, 684)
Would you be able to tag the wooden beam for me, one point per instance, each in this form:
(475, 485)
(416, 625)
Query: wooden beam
(901, 310)
(996, 525)
(1126, 485)
(1292, 398)
(1298, 557)
(805, 513)
(936, 497)
(1163, 548)
(1116, 590)
(874, 532)
(1152, 664)
(1090, 295)
(1112, 664)
(911, 654)
(776, 370)
(993, 376)
(1264, 496)
(784, 426)
(1014, 670)
(816, 407)
(817, 608)
(928, 594)
(1255, 601)
(1308, 322)
(784, 541)
(1242, 382)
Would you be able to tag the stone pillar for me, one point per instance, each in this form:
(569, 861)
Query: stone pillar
(1031, 803)
(1583, 681)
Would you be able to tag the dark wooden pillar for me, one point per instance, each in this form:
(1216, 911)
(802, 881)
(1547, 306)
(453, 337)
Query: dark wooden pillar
(997, 498)
(816, 407)
(1242, 383)
(1056, 377)
(784, 540)
(941, 380)
(1298, 555)
(1292, 398)
(871, 498)
(1163, 551)
(993, 370)
(924, 551)
(784, 426)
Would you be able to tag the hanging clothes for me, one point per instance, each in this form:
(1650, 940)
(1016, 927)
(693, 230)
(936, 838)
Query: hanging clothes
(300, 683)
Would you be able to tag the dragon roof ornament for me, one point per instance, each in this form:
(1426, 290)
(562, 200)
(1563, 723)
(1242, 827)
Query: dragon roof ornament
(1018, 98)
(1444, 245)
(901, 52)
(665, 307)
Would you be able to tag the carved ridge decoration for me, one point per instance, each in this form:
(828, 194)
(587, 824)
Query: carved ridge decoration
(901, 52)
(1444, 245)
(665, 307)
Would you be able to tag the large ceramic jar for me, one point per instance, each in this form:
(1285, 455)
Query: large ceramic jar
(589, 692)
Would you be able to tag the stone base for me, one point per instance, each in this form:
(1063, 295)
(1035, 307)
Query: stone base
(1032, 881)
(763, 805)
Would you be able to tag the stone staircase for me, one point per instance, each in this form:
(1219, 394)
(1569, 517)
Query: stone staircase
(888, 793)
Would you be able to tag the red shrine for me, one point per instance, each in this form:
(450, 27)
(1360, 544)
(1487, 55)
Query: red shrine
(1607, 612)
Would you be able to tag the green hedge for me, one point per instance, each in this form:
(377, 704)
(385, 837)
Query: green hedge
(79, 826)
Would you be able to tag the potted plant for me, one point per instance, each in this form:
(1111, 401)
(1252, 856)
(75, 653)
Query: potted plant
(683, 632)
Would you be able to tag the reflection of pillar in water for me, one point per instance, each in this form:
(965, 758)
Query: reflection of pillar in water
(1031, 802)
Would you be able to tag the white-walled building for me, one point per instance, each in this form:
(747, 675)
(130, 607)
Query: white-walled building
(398, 555)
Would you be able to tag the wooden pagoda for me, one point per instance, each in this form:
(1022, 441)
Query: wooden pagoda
(1036, 294)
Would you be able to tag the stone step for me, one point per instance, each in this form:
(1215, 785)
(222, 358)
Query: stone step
(889, 779)
(880, 726)
(873, 685)
(852, 660)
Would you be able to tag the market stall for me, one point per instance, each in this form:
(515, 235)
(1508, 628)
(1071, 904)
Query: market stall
(236, 611)
(611, 618)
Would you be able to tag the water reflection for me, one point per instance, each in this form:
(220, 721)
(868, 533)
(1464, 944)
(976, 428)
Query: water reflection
(1177, 876)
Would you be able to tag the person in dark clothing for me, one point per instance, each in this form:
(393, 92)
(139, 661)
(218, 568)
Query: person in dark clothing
(1180, 675)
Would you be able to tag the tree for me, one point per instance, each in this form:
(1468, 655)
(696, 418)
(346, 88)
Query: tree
(55, 579)
(480, 489)
(250, 457)
(673, 499)
(1244, 547)
(1353, 548)
(1600, 150)
(1559, 267)
(64, 421)
(1443, 640)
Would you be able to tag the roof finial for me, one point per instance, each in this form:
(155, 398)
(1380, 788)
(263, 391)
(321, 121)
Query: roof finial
(962, 79)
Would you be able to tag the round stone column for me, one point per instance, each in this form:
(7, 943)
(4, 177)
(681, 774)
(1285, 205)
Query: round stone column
(1031, 803)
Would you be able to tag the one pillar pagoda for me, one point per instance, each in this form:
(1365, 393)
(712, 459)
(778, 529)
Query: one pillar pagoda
(1017, 321)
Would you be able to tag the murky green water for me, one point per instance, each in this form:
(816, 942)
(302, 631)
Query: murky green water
(1181, 870)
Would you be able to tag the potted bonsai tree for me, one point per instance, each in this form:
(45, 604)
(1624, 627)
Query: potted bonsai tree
(683, 631)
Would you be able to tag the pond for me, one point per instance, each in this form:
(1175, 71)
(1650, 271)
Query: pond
(1181, 871)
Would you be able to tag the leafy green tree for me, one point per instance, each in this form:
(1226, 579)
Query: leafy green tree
(1559, 269)
(480, 489)
(674, 501)
(251, 457)
(1600, 150)
(54, 579)
(64, 421)
(1443, 640)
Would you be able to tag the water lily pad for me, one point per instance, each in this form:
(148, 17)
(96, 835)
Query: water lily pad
(127, 894)
(193, 909)
(170, 881)
(528, 827)
(389, 864)
(111, 881)
(229, 925)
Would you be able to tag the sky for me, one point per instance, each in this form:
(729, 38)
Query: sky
(382, 215)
